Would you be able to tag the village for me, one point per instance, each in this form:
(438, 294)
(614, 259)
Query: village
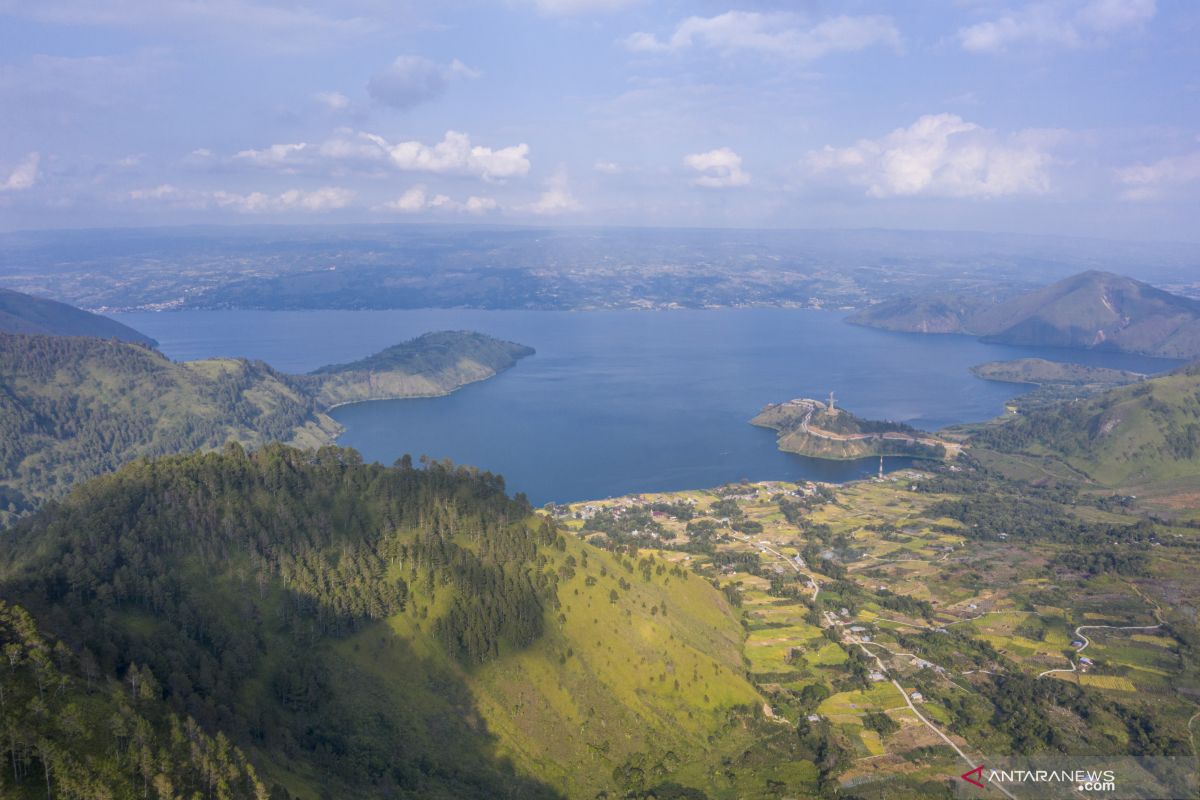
(865, 615)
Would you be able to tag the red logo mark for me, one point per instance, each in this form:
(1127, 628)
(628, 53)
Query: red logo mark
(966, 776)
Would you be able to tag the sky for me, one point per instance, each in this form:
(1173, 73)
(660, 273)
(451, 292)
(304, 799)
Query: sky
(1071, 117)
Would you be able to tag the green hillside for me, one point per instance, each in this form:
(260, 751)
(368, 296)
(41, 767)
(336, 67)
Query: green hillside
(811, 428)
(73, 408)
(1130, 436)
(23, 313)
(1054, 381)
(361, 631)
(74, 733)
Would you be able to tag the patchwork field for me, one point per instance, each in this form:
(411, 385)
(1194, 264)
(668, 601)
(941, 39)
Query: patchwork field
(874, 618)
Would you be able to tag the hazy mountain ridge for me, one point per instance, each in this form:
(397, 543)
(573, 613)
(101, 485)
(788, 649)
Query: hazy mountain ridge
(23, 313)
(1090, 310)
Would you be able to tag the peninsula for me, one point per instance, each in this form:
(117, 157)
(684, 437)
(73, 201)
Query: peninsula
(72, 408)
(822, 430)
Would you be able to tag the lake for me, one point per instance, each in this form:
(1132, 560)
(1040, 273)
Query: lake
(624, 401)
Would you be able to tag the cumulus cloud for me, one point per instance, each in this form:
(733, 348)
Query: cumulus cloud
(557, 198)
(718, 168)
(1056, 24)
(777, 34)
(411, 80)
(23, 176)
(454, 154)
(326, 198)
(942, 155)
(418, 199)
(1148, 181)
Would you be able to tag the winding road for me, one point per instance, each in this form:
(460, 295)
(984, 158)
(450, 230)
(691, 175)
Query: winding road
(1086, 641)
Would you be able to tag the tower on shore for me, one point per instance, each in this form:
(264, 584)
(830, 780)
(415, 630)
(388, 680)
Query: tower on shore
(881, 468)
(830, 408)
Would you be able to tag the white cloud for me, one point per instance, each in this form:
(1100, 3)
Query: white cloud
(718, 168)
(1056, 24)
(454, 154)
(326, 198)
(776, 34)
(334, 101)
(418, 199)
(273, 156)
(23, 176)
(557, 198)
(1148, 181)
(608, 167)
(411, 80)
(943, 155)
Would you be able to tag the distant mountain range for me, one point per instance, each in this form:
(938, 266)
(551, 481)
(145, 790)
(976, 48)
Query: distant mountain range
(1089, 310)
(23, 313)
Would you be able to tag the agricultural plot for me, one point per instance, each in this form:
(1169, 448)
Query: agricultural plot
(843, 590)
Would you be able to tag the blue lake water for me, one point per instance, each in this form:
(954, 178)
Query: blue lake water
(623, 401)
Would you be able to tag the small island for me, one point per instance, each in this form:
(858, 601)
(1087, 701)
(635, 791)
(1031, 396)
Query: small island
(822, 430)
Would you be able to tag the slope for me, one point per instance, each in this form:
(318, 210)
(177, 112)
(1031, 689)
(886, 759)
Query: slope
(1130, 436)
(367, 631)
(23, 313)
(72, 408)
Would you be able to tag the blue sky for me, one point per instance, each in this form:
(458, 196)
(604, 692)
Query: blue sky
(1077, 117)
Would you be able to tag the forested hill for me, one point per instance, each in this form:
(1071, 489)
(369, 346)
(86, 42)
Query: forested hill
(216, 587)
(1134, 435)
(72, 408)
(355, 631)
(23, 313)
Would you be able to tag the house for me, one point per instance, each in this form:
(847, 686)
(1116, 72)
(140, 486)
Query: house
(845, 612)
(917, 697)
(876, 677)
(1086, 661)
(1077, 643)
(857, 629)
(813, 717)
